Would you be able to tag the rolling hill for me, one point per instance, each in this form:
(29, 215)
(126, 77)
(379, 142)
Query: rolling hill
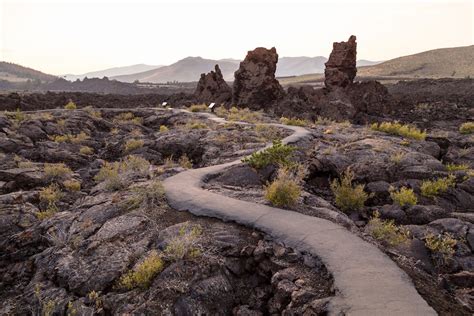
(15, 73)
(111, 72)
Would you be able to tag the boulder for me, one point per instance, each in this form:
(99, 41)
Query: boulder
(255, 85)
(341, 67)
(213, 88)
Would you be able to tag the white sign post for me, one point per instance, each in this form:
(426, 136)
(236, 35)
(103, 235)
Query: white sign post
(164, 104)
(211, 106)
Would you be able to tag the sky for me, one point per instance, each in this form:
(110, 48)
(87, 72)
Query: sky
(70, 36)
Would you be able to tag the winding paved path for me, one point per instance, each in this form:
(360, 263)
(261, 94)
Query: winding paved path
(368, 282)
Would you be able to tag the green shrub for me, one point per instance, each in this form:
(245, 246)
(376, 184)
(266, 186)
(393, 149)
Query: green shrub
(278, 154)
(70, 106)
(395, 128)
(163, 129)
(432, 188)
(56, 170)
(132, 144)
(467, 128)
(454, 167)
(294, 121)
(403, 196)
(86, 150)
(387, 231)
(185, 244)
(348, 197)
(285, 190)
(442, 244)
(198, 108)
(142, 275)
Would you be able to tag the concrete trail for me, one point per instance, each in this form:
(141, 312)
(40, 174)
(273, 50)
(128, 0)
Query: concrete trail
(368, 282)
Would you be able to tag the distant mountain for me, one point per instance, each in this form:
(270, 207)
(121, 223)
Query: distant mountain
(15, 73)
(184, 70)
(111, 72)
(444, 62)
(295, 66)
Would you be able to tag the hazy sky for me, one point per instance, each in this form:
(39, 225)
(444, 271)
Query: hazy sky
(60, 37)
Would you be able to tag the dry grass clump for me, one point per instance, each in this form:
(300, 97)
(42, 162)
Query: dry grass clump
(267, 132)
(395, 128)
(185, 245)
(196, 125)
(72, 185)
(93, 113)
(387, 230)
(149, 196)
(133, 163)
(320, 120)
(443, 245)
(466, 128)
(285, 190)
(237, 114)
(86, 150)
(454, 167)
(163, 129)
(278, 154)
(294, 121)
(50, 195)
(198, 108)
(70, 106)
(142, 275)
(113, 173)
(432, 188)
(349, 197)
(397, 157)
(70, 138)
(185, 162)
(403, 196)
(56, 170)
(17, 116)
(127, 118)
(133, 144)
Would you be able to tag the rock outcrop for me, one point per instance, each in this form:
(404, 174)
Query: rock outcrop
(255, 85)
(341, 67)
(213, 88)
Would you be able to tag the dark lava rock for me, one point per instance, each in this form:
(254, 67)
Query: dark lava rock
(341, 67)
(213, 88)
(255, 85)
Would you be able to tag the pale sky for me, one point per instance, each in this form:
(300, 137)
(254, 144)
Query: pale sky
(60, 37)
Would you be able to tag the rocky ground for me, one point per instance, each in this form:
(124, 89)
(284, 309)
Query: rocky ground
(443, 273)
(85, 228)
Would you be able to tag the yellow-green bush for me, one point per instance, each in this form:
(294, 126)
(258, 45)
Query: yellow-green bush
(163, 129)
(348, 197)
(237, 114)
(86, 150)
(432, 188)
(132, 144)
(134, 163)
(198, 108)
(70, 106)
(72, 185)
(109, 173)
(196, 125)
(56, 170)
(70, 138)
(403, 196)
(50, 195)
(387, 231)
(395, 128)
(294, 121)
(467, 128)
(442, 244)
(142, 275)
(455, 167)
(127, 118)
(285, 190)
(278, 154)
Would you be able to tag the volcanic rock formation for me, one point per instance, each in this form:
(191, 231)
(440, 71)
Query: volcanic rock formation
(213, 88)
(341, 67)
(255, 85)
